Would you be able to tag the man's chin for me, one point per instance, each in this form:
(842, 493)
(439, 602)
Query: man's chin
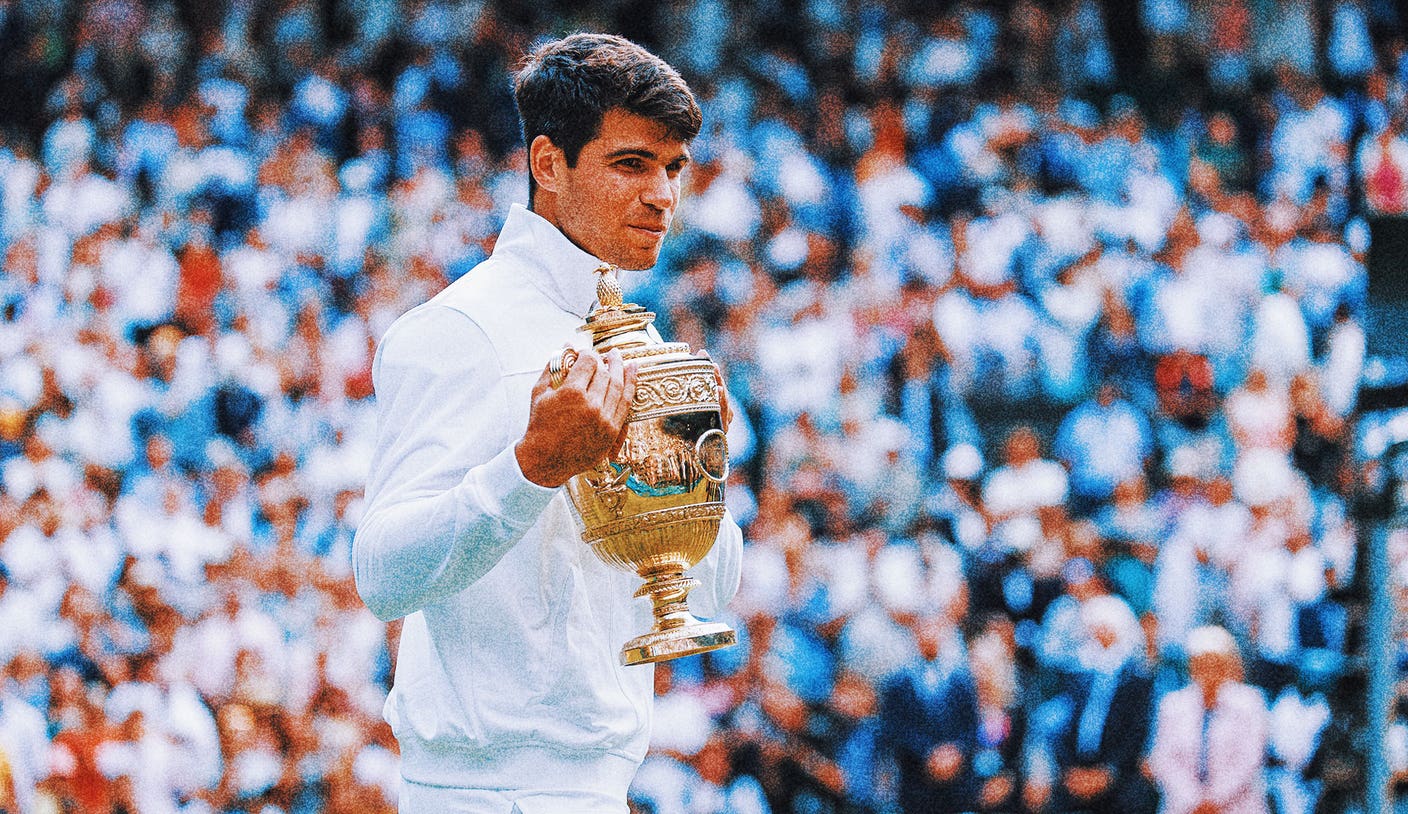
(637, 261)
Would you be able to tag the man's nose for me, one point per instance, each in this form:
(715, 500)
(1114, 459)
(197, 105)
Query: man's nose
(660, 192)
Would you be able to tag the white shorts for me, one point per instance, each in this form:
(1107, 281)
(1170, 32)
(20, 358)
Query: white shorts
(418, 798)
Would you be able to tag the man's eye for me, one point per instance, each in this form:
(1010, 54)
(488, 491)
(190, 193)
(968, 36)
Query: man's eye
(631, 164)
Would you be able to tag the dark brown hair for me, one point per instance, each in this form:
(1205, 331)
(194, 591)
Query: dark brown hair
(566, 86)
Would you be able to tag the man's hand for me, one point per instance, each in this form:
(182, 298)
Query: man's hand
(996, 790)
(944, 762)
(573, 427)
(725, 409)
(1087, 783)
(1036, 794)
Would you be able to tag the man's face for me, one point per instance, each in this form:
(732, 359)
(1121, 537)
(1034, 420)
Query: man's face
(1210, 670)
(619, 201)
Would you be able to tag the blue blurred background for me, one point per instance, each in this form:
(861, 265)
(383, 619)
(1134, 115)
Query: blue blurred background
(1048, 322)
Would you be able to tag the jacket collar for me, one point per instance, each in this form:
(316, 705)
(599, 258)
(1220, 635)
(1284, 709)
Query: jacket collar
(549, 260)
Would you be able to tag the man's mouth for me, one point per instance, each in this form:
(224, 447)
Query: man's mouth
(653, 231)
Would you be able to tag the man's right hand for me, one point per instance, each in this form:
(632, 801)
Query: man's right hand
(944, 762)
(573, 427)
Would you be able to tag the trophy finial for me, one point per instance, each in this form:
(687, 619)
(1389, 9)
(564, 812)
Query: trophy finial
(608, 288)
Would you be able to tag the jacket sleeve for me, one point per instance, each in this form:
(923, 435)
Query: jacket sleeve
(445, 496)
(1173, 766)
(719, 572)
(1240, 760)
(1128, 722)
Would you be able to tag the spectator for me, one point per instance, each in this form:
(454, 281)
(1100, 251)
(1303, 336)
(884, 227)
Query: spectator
(1383, 166)
(1259, 415)
(1001, 765)
(1343, 359)
(24, 742)
(1110, 700)
(1103, 442)
(1221, 149)
(1210, 738)
(1026, 484)
(929, 719)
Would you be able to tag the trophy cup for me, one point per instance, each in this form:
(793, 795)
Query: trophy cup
(654, 507)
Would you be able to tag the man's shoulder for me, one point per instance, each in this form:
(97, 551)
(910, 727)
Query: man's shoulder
(463, 301)
(495, 288)
(497, 304)
(473, 287)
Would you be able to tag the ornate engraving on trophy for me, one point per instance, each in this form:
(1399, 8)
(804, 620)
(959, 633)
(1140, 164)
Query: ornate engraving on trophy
(687, 391)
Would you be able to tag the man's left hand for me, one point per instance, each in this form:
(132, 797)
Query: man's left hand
(725, 409)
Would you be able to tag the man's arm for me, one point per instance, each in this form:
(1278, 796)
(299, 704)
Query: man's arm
(722, 568)
(446, 498)
(719, 572)
(452, 488)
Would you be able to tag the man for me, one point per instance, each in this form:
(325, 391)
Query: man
(1103, 442)
(24, 740)
(1111, 697)
(1210, 741)
(508, 696)
(929, 721)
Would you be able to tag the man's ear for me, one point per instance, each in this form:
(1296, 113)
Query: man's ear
(546, 161)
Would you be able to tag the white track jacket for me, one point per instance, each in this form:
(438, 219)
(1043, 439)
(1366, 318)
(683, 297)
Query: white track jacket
(507, 675)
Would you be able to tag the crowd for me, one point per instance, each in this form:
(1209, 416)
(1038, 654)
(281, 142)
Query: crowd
(1044, 319)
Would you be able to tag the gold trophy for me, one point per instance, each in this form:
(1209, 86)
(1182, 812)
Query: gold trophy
(654, 507)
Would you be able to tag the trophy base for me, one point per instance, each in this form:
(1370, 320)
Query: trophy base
(686, 640)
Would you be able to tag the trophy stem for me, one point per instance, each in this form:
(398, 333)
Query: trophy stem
(677, 632)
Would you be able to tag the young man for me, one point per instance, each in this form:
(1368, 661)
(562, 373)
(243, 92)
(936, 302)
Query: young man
(508, 695)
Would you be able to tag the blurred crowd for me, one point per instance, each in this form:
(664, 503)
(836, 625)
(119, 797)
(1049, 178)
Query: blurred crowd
(1045, 319)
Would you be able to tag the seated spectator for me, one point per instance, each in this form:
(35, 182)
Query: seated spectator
(1221, 149)
(1210, 738)
(1259, 414)
(1298, 721)
(957, 505)
(1110, 696)
(1062, 626)
(1183, 383)
(1342, 362)
(1103, 442)
(1280, 340)
(929, 719)
(24, 744)
(1320, 447)
(1026, 484)
(1383, 166)
(1001, 762)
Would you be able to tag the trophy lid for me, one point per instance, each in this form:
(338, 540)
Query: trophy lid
(614, 323)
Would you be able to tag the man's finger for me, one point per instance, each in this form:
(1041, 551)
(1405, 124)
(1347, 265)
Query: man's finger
(628, 394)
(725, 406)
(725, 409)
(584, 370)
(543, 384)
(610, 368)
(612, 377)
(628, 388)
(628, 383)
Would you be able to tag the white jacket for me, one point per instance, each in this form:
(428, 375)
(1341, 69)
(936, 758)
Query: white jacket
(1235, 750)
(508, 674)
